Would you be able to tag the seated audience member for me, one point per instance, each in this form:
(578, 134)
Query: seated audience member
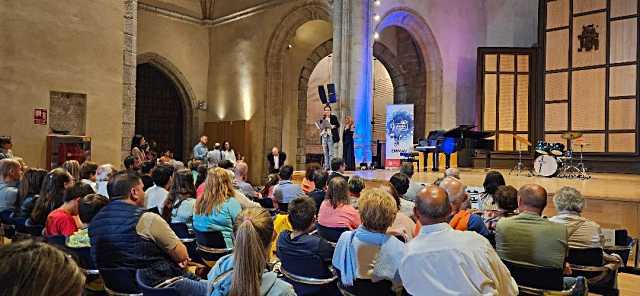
(270, 186)
(583, 233)
(402, 225)
(368, 252)
(297, 246)
(124, 235)
(506, 198)
(452, 172)
(146, 169)
(34, 268)
(214, 156)
(400, 182)
(217, 209)
(407, 169)
(88, 207)
(157, 194)
(73, 168)
(51, 196)
(178, 207)
(491, 183)
(10, 174)
(193, 167)
(337, 169)
(202, 175)
(104, 173)
(307, 182)
(286, 191)
(62, 220)
(88, 174)
(244, 201)
(131, 164)
(447, 262)
(5, 147)
(320, 179)
(241, 171)
(461, 219)
(276, 160)
(336, 210)
(29, 191)
(356, 185)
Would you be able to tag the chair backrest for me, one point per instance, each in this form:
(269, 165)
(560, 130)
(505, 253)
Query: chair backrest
(367, 287)
(181, 230)
(57, 240)
(34, 230)
(154, 210)
(210, 239)
(83, 257)
(120, 280)
(586, 257)
(329, 233)
(547, 278)
(283, 207)
(5, 216)
(151, 291)
(622, 237)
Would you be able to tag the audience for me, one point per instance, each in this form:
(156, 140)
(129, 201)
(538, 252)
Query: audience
(88, 174)
(491, 183)
(368, 252)
(104, 173)
(62, 221)
(5, 147)
(214, 156)
(241, 171)
(228, 152)
(270, 186)
(307, 182)
(506, 198)
(402, 226)
(88, 207)
(202, 175)
(123, 235)
(157, 194)
(336, 210)
(178, 207)
(51, 196)
(138, 145)
(407, 169)
(217, 209)
(400, 182)
(337, 169)
(73, 168)
(452, 172)
(356, 185)
(320, 179)
(131, 164)
(29, 192)
(461, 219)
(10, 174)
(201, 149)
(286, 190)
(447, 262)
(297, 248)
(145, 170)
(34, 268)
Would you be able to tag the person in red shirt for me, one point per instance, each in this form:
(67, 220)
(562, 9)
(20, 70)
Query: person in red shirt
(64, 220)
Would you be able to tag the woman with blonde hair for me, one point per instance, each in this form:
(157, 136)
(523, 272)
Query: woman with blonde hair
(217, 208)
(72, 167)
(348, 150)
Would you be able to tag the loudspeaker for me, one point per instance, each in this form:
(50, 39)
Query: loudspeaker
(323, 94)
(331, 88)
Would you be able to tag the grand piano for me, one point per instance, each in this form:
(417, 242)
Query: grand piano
(461, 139)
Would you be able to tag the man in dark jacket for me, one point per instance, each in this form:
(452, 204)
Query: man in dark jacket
(276, 160)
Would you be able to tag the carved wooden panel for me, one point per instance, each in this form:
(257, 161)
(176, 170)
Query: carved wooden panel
(523, 63)
(622, 81)
(583, 57)
(507, 63)
(557, 56)
(557, 14)
(623, 7)
(624, 34)
(591, 142)
(556, 117)
(622, 142)
(622, 114)
(588, 99)
(556, 86)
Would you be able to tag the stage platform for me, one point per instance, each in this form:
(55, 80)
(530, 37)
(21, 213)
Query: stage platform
(613, 200)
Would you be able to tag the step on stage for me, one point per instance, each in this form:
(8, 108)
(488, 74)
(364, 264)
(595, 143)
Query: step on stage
(613, 200)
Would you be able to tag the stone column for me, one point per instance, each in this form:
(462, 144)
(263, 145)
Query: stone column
(129, 74)
(352, 68)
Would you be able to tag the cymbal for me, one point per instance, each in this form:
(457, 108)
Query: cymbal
(522, 140)
(571, 135)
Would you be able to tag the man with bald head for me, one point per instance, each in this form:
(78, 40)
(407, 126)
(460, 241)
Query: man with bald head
(444, 261)
(528, 237)
(461, 219)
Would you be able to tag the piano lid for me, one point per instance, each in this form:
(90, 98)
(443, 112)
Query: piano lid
(465, 131)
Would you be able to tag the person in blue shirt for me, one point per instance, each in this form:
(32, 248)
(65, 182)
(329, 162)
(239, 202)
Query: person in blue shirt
(200, 150)
(286, 191)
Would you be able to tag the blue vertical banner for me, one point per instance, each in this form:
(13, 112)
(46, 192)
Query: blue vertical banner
(399, 132)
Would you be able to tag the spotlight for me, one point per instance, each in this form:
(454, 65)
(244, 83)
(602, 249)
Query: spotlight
(376, 17)
(290, 46)
(377, 2)
(376, 35)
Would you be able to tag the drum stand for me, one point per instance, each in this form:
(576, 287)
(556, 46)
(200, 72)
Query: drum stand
(572, 171)
(519, 167)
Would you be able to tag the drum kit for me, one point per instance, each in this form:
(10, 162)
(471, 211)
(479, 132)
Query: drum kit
(554, 159)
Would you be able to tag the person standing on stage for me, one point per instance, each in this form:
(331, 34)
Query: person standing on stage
(200, 150)
(348, 150)
(329, 136)
(276, 160)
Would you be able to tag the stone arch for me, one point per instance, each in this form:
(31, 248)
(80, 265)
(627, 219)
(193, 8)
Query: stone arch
(380, 51)
(418, 28)
(187, 96)
(275, 73)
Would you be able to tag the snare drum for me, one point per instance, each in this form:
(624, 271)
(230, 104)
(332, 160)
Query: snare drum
(545, 165)
(556, 149)
(542, 147)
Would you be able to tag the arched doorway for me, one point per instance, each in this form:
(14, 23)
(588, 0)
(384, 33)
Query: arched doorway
(159, 109)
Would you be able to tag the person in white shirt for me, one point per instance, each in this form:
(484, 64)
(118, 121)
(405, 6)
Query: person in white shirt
(157, 194)
(228, 152)
(444, 261)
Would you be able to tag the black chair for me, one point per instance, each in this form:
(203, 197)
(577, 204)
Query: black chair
(308, 275)
(187, 238)
(364, 287)
(84, 260)
(7, 224)
(154, 210)
(33, 230)
(537, 280)
(589, 263)
(623, 246)
(330, 233)
(120, 281)
(163, 289)
(57, 240)
(211, 246)
(283, 207)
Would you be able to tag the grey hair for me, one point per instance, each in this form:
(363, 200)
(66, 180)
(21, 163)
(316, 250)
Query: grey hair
(568, 199)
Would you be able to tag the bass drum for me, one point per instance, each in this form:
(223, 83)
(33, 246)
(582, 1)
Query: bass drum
(545, 166)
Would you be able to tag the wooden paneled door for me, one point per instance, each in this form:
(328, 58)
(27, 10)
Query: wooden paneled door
(236, 132)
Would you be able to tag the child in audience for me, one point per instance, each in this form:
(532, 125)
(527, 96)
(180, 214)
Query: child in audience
(88, 207)
(356, 185)
(88, 173)
(61, 221)
(28, 192)
(51, 195)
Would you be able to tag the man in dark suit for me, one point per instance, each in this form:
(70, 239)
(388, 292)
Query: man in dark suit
(337, 169)
(276, 159)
